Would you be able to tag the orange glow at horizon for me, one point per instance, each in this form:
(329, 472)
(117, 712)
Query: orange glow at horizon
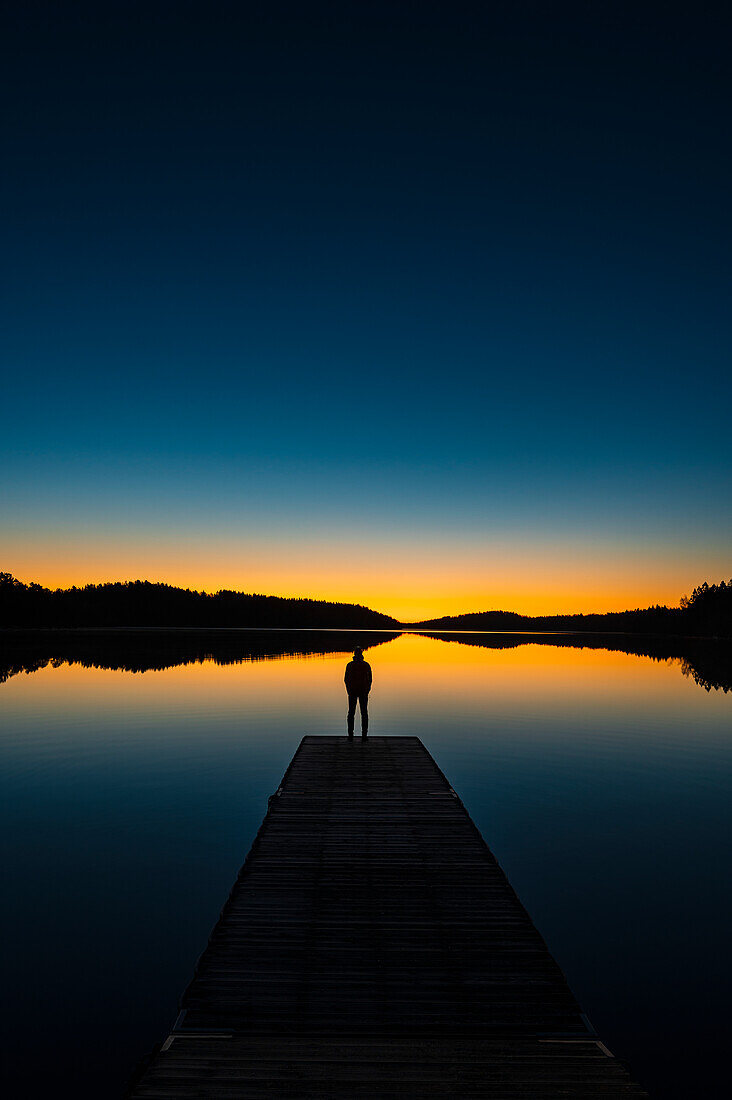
(490, 677)
(409, 584)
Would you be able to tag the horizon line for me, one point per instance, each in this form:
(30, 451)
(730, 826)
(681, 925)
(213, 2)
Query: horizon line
(343, 603)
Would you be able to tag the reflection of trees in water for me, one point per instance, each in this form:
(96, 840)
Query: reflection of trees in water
(709, 674)
(149, 650)
(708, 663)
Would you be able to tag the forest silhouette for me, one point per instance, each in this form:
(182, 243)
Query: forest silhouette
(707, 612)
(142, 603)
(139, 626)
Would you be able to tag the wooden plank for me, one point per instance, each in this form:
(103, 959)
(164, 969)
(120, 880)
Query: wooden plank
(372, 946)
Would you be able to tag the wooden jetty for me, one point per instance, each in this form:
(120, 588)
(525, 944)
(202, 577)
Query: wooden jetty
(371, 948)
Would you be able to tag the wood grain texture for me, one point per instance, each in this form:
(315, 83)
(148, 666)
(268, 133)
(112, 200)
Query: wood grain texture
(372, 946)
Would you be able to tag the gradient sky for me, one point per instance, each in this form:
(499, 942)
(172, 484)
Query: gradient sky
(424, 306)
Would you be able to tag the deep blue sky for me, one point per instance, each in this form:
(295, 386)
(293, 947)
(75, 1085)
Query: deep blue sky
(425, 285)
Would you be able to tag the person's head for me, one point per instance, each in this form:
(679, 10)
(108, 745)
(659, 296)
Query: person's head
(358, 653)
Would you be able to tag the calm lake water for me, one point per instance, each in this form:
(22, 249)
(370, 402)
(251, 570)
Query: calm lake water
(601, 780)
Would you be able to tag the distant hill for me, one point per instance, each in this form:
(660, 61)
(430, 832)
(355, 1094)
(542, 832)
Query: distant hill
(141, 603)
(707, 612)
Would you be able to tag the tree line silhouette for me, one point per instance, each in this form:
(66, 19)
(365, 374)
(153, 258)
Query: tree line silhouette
(142, 603)
(707, 612)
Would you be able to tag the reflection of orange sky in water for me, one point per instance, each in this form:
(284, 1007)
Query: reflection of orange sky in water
(409, 669)
(441, 669)
(411, 583)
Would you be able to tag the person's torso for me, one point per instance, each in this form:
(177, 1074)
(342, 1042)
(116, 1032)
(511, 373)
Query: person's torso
(358, 676)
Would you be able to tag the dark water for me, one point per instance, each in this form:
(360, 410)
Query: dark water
(131, 793)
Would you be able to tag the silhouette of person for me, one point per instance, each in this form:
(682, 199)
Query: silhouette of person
(358, 685)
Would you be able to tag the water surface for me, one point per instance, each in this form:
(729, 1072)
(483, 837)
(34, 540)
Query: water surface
(600, 779)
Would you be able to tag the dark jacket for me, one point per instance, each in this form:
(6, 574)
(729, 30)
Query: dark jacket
(358, 677)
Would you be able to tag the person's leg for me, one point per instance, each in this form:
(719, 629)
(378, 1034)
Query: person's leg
(351, 713)
(364, 704)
